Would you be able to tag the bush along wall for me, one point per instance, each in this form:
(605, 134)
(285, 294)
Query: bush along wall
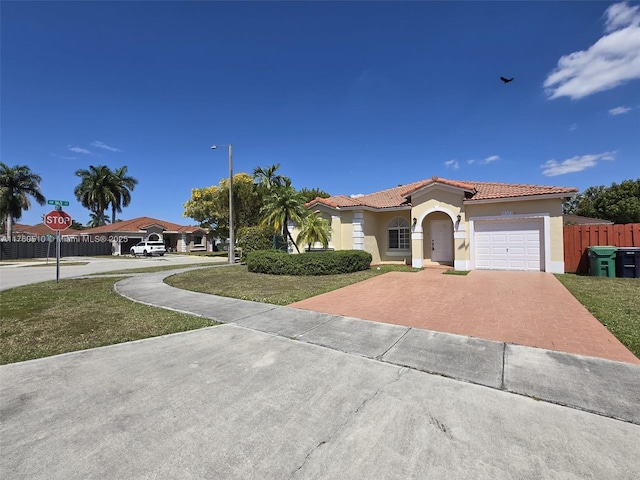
(275, 262)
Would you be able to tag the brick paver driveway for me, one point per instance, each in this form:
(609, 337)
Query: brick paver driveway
(525, 308)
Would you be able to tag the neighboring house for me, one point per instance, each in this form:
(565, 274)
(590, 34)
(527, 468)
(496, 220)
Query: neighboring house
(469, 225)
(126, 233)
(578, 220)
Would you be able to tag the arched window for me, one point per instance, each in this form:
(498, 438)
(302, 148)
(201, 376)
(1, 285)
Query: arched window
(399, 234)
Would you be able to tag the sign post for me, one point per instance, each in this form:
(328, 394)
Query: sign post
(57, 220)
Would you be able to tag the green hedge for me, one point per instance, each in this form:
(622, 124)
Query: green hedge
(275, 262)
(251, 239)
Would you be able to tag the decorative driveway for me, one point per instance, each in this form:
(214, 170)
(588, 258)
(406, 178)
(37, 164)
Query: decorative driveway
(524, 308)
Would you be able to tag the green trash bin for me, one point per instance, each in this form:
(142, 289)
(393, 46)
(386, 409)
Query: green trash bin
(602, 261)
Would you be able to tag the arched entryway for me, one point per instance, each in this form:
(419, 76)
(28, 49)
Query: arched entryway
(435, 230)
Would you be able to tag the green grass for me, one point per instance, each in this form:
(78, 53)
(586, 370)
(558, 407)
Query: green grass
(615, 302)
(158, 268)
(51, 318)
(451, 271)
(238, 282)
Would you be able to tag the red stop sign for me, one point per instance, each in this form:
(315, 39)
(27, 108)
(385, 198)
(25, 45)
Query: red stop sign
(57, 220)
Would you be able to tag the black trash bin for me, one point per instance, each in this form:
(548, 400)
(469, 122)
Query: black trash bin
(628, 262)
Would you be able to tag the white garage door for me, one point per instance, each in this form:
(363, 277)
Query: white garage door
(508, 245)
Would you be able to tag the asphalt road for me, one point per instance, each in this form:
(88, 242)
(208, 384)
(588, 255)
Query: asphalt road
(15, 274)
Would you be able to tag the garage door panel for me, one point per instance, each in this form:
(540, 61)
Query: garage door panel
(508, 245)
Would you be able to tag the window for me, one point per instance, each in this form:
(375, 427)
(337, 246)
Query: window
(399, 234)
(197, 239)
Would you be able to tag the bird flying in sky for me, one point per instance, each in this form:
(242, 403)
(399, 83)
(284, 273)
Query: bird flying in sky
(506, 80)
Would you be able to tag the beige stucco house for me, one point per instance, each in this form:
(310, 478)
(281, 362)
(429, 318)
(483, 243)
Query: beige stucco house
(126, 233)
(468, 225)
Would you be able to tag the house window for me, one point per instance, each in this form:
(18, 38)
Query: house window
(197, 239)
(399, 234)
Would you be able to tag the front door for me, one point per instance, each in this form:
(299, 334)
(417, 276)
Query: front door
(441, 241)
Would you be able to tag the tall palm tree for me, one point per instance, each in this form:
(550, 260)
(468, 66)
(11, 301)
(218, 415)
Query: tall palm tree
(17, 184)
(268, 178)
(314, 229)
(101, 188)
(284, 203)
(122, 185)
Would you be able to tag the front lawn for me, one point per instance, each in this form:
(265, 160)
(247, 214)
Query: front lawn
(238, 282)
(615, 302)
(51, 318)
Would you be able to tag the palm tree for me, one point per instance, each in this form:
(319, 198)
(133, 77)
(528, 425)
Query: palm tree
(268, 178)
(314, 229)
(97, 190)
(123, 185)
(96, 220)
(284, 203)
(17, 184)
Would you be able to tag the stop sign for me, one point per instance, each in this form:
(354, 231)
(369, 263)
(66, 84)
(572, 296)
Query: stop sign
(57, 220)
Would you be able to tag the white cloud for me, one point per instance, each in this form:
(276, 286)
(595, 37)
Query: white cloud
(621, 15)
(105, 146)
(553, 168)
(452, 164)
(573, 127)
(356, 195)
(486, 161)
(613, 60)
(79, 150)
(619, 110)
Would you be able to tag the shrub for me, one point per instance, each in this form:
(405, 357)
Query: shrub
(319, 263)
(251, 239)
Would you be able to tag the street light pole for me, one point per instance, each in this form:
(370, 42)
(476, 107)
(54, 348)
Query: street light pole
(232, 249)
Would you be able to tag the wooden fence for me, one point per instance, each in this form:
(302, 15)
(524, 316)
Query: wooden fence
(577, 238)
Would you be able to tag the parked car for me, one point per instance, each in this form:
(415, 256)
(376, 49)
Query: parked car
(148, 249)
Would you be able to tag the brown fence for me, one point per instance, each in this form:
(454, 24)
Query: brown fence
(577, 238)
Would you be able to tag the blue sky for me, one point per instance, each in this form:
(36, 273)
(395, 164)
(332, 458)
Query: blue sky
(349, 97)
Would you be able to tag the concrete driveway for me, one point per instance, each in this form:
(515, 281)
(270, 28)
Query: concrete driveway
(524, 308)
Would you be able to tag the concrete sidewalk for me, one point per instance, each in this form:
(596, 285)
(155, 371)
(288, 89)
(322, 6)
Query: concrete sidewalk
(281, 393)
(591, 384)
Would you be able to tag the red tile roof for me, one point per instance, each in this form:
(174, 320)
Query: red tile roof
(40, 230)
(141, 224)
(399, 196)
(490, 190)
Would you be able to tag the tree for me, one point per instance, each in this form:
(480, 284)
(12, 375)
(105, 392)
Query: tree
(96, 191)
(617, 203)
(210, 205)
(267, 178)
(312, 194)
(97, 220)
(314, 229)
(582, 203)
(100, 188)
(17, 184)
(122, 186)
(282, 205)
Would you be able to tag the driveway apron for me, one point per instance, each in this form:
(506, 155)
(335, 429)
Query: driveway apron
(525, 308)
